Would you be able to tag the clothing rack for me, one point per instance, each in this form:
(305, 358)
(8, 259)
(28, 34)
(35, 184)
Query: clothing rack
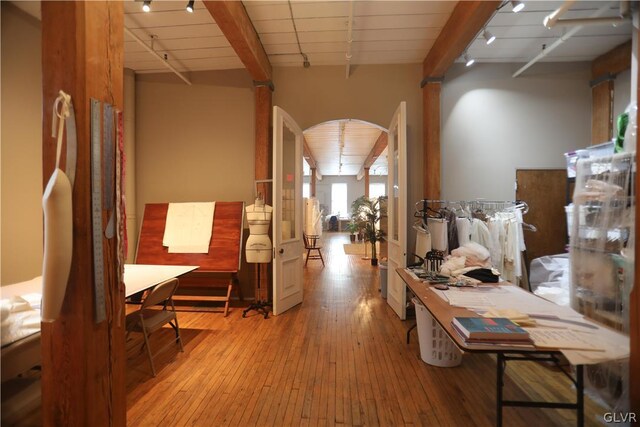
(429, 210)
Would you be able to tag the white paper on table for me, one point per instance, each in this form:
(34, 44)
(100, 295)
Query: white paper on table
(615, 344)
(188, 227)
(468, 299)
(564, 339)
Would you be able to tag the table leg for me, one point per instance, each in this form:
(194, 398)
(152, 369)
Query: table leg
(499, 375)
(580, 394)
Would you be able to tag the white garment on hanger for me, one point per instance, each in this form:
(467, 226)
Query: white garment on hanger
(464, 230)
(480, 233)
(439, 236)
(423, 242)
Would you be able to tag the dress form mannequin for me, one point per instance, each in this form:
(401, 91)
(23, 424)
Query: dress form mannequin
(258, 248)
(58, 222)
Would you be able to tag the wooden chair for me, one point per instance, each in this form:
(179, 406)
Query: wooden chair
(148, 320)
(311, 244)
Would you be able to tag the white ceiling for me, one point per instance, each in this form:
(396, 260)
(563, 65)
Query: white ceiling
(384, 32)
(340, 147)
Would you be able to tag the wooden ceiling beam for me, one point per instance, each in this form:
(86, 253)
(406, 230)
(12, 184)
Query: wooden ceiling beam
(466, 20)
(613, 62)
(378, 148)
(308, 157)
(233, 20)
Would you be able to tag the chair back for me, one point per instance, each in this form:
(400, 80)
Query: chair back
(161, 293)
(305, 240)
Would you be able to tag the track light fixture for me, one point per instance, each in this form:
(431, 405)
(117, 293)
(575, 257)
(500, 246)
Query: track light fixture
(490, 38)
(190, 6)
(517, 6)
(146, 5)
(468, 61)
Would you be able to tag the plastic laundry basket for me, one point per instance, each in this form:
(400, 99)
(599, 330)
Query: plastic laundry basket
(436, 348)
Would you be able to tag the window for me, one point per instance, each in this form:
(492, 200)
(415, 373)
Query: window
(339, 199)
(376, 190)
(306, 190)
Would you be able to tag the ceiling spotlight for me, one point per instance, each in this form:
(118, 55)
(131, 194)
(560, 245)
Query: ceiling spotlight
(468, 61)
(517, 6)
(490, 38)
(146, 5)
(190, 6)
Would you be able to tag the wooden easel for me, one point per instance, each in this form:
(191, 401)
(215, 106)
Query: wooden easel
(217, 268)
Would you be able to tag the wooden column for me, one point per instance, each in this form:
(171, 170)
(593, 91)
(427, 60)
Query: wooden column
(431, 135)
(83, 363)
(366, 182)
(603, 73)
(312, 182)
(263, 169)
(634, 298)
(602, 112)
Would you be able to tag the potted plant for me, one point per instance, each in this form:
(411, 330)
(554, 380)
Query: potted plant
(353, 229)
(368, 212)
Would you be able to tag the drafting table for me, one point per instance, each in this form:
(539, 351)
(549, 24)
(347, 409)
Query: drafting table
(444, 313)
(217, 268)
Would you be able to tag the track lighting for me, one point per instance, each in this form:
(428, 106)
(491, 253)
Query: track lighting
(517, 6)
(146, 5)
(490, 38)
(468, 61)
(190, 6)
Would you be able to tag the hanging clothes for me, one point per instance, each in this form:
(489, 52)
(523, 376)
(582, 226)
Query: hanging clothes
(423, 242)
(452, 228)
(438, 231)
(480, 233)
(463, 226)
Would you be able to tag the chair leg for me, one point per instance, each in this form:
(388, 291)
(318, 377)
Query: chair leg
(321, 259)
(176, 328)
(146, 343)
(308, 254)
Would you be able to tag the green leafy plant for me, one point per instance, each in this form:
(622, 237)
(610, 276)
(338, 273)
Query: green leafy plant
(367, 212)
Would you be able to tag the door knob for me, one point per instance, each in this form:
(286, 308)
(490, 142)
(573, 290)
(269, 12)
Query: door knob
(281, 251)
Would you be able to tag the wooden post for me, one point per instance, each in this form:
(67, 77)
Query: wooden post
(431, 135)
(602, 112)
(603, 73)
(312, 182)
(263, 169)
(634, 298)
(366, 182)
(83, 363)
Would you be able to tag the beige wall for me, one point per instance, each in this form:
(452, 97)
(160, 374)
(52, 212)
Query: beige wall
(372, 93)
(195, 143)
(21, 147)
(130, 161)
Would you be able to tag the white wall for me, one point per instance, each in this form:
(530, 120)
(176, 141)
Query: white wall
(493, 124)
(355, 189)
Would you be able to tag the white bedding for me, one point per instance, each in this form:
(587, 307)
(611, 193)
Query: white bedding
(20, 310)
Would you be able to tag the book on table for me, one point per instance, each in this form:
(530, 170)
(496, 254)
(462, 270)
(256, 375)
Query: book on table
(489, 329)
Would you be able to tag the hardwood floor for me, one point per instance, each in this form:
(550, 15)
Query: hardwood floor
(338, 358)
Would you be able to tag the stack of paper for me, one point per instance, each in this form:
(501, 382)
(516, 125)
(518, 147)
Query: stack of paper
(188, 227)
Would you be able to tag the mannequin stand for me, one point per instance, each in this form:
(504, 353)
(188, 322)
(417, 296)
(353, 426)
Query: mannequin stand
(261, 306)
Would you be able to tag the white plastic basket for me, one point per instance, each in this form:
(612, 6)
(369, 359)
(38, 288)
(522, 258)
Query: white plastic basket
(436, 348)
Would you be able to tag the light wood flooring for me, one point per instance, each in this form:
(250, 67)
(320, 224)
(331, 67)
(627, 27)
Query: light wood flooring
(338, 358)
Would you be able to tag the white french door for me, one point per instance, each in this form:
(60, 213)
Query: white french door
(287, 210)
(397, 210)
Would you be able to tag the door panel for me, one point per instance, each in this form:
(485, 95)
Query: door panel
(545, 191)
(287, 208)
(397, 210)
